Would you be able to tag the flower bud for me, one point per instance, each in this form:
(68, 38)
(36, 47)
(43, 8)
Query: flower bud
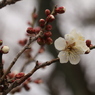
(48, 34)
(19, 75)
(37, 29)
(60, 10)
(30, 30)
(11, 75)
(49, 27)
(22, 42)
(88, 43)
(34, 16)
(41, 41)
(42, 22)
(5, 49)
(47, 12)
(26, 87)
(49, 41)
(50, 18)
(38, 81)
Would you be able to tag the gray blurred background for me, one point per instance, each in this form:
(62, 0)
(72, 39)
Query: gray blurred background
(59, 79)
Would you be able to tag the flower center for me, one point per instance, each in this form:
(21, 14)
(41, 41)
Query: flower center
(69, 48)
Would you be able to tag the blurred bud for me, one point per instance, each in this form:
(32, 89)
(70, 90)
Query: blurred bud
(38, 81)
(22, 42)
(4, 49)
(34, 16)
(11, 75)
(41, 41)
(41, 50)
(49, 41)
(49, 27)
(42, 22)
(48, 34)
(88, 43)
(60, 10)
(19, 75)
(30, 30)
(26, 87)
(37, 29)
(47, 12)
(50, 18)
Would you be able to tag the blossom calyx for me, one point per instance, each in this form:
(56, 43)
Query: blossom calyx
(4, 49)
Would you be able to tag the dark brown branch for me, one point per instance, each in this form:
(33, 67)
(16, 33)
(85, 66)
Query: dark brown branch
(7, 2)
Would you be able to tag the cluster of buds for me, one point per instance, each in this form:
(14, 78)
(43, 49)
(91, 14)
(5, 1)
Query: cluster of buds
(60, 10)
(11, 77)
(22, 42)
(31, 30)
(4, 49)
(46, 39)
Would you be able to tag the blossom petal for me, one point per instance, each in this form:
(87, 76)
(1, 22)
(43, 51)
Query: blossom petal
(69, 38)
(77, 36)
(83, 46)
(60, 43)
(74, 58)
(63, 56)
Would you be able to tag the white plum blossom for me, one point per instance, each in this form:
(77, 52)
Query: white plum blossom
(71, 47)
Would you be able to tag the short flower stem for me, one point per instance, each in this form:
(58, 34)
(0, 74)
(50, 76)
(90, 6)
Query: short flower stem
(93, 47)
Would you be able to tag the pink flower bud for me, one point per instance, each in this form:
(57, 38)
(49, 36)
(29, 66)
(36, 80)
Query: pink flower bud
(30, 30)
(5, 49)
(19, 75)
(42, 22)
(47, 12)
(60, 10)
(49, 41)
(48, 34)
(41, 41)
(34, 16)
(49, 27)
(38, 81)
(88, 43)
(26, 87)
(50, 18)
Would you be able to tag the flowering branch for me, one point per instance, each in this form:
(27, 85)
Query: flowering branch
(7, 2)
(18, 82)
(19, 54)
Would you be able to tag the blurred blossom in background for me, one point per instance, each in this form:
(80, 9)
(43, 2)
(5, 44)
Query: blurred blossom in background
(79, 15)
